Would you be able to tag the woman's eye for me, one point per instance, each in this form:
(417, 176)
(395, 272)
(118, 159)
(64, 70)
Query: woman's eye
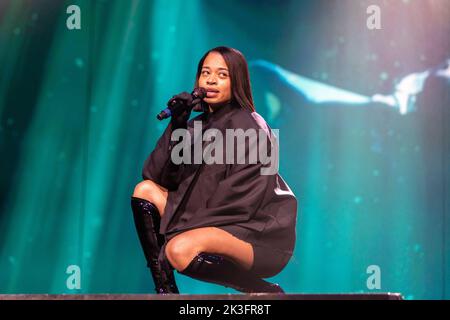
(205, 72)
(223, 74)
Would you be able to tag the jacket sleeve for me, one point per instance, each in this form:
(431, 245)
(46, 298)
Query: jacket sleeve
(159, 167)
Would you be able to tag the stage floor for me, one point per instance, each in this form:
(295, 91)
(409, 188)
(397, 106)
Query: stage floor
(253, 296)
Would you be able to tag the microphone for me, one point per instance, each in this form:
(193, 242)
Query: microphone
(175, 104)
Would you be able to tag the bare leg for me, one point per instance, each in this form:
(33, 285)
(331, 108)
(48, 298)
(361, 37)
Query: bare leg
(181, 249)
(153, 192)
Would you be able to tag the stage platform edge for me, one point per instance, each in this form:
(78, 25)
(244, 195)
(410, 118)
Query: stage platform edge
(252, 296)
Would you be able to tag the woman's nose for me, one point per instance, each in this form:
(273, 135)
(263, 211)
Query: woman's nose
(211, 80)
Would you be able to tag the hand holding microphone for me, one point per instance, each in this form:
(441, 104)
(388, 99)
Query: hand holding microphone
(180, 106)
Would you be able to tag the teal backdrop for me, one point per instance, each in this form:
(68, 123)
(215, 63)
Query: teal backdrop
(77, 120)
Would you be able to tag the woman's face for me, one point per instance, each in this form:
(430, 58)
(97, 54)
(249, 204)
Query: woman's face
(215, 78)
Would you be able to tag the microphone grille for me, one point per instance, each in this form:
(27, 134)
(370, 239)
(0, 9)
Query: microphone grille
(199, 92)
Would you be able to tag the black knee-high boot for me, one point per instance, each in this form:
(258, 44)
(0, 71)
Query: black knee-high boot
(147, 221)
(220, 270)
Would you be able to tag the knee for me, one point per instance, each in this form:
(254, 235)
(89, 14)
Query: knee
(180, 251)
(147, 190)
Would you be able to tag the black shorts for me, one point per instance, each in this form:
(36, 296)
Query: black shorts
(267, 261)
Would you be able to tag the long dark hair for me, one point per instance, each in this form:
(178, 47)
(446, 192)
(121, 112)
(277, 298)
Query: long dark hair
(241, 92)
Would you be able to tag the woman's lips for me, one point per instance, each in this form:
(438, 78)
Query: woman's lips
(211, 94)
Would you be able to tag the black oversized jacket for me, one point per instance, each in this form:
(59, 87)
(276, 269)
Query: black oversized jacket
(260, 209)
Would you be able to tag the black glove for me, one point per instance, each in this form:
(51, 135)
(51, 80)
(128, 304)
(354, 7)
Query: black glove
(181, 114)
